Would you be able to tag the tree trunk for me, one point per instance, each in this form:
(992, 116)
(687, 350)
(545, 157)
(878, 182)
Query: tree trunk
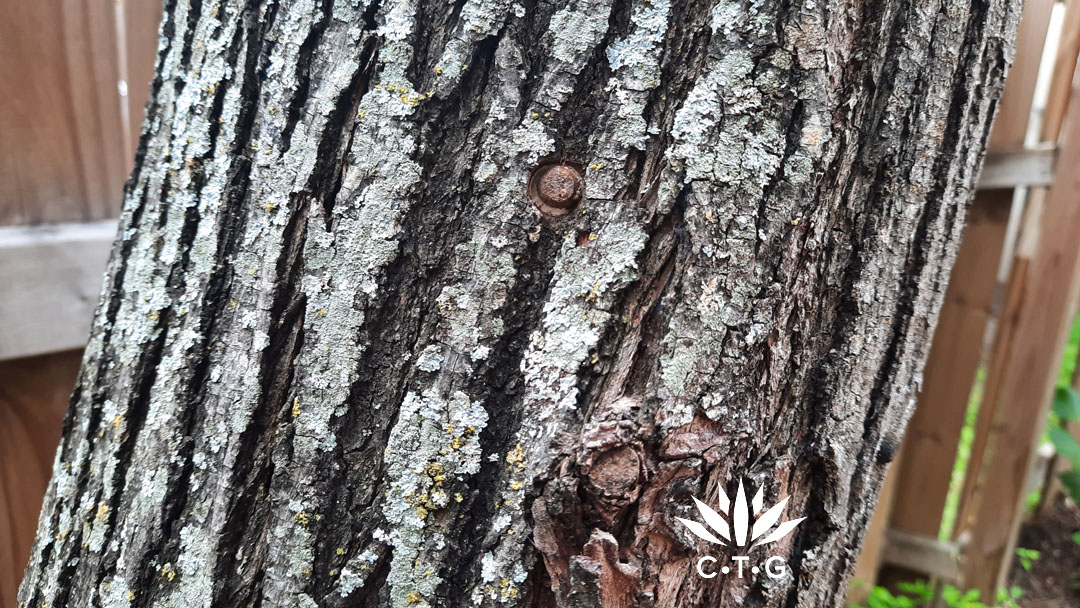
(345, 355)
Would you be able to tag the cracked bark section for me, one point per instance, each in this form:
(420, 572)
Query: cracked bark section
(341, 359)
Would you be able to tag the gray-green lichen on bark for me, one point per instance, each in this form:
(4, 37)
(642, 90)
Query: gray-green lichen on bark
(341, 359)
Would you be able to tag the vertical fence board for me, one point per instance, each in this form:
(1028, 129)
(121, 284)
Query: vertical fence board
(53, 154)
(140, 38)
(63, 151)
(1029, 367)
(33, 399)
(1010, 125)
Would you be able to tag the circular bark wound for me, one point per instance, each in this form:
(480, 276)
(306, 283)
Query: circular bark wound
(556, 187)
(616, 472)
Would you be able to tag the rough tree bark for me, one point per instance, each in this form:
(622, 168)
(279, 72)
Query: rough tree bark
(342, 360)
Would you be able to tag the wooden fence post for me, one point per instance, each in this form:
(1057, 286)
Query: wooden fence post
(1028, 368)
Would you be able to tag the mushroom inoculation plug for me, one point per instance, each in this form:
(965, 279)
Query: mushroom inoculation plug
(556, 188)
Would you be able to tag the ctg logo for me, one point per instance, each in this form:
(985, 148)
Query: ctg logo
(741, 534)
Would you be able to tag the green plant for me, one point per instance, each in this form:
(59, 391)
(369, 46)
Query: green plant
(920, 593)
(1027, 557)
(955, 598)
(1076, 575)
(881, 597)
(918, 590)
(1066, 408)
(1007, 598)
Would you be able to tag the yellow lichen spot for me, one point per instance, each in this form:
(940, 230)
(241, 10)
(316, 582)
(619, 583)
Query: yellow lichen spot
(510, 532)
(592, 236)
(302, 518)
(269, 207)
(536, 115)
(296, 408)
(507, 590)
(232, 305)
(131, 595)
(795, 222)
(458, 497)
(102, 511)
(516, 485)
(438, 70)
(414, 598)
(516, 457)
(421, 512)
(593, 293)
(595, 358)
(596, 166)
(333, 572)
(340, 551)
(456, 443)
(449, 429)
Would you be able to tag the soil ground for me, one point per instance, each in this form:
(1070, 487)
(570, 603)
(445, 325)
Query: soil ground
(1050, 582)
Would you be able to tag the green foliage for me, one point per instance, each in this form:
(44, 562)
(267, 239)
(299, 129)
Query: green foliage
(954, 598)
(1071, 480)
(1066, 403)
(1065, 444)
(1066, 408)
(918, 589)
(1008, 598)
(1027, 557)
(919, 593)
(881, 597)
